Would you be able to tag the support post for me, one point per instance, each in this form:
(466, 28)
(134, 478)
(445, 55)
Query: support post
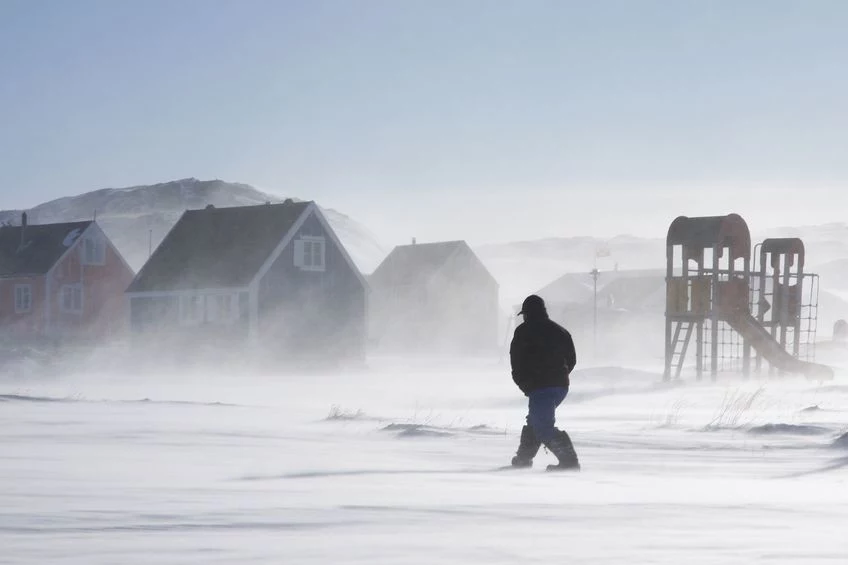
(746, 345)
(669, 276)
(796, 346)
(595, 273)
(714, 307)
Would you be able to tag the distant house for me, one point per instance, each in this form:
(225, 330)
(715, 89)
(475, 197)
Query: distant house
(273, 276)
(61, 282)
(627, 315)
(434, 297)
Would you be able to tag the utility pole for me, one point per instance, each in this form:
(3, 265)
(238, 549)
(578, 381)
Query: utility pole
(595, 274)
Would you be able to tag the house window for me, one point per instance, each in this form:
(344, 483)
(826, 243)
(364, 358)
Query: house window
(23, 298)
(191, 309)
(220, 308)
(93, 251)
(72, 298)
(310, 253)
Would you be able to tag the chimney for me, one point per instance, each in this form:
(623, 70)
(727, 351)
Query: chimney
(413, 241)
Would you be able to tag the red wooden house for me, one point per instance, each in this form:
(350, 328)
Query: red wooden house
(61, 282)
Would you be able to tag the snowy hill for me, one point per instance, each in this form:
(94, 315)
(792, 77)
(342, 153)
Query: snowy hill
(137, 216)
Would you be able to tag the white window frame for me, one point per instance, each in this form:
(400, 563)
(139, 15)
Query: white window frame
(93, 250)
(22, 306)
(310, 253)
(74, 308)
(187, 316)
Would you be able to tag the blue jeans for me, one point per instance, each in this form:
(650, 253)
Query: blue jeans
(542, 408)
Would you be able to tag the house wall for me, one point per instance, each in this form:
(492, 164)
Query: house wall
(154, 314)
(23, 325)
(453, 312)
(401, 316)
(470, 308)
(309, 314)
(161, 320)
(105, 313)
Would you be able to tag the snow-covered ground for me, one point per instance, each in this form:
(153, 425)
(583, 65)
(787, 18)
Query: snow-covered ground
(398, 465)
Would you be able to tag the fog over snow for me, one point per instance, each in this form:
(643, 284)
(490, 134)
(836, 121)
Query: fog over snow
(553, 137)
(400, 465)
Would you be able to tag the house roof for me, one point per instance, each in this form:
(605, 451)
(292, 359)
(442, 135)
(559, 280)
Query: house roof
(217, 247)
(569, 289)
(43, 245)
(407, 264)
(635, 293)
(578, 287)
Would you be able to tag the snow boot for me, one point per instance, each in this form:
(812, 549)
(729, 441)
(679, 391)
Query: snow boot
(563, 449)
(528, 447)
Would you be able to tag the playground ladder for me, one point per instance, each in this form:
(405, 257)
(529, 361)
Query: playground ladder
(682, 336)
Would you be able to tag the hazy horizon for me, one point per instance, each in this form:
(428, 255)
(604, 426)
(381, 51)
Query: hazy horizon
(657, 232)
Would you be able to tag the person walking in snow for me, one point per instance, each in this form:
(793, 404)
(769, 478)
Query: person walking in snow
(542, 355)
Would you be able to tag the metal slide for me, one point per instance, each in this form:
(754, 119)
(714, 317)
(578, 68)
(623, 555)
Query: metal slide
(771, 350)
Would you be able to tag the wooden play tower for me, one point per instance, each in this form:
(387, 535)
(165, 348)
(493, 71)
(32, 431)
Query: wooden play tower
(731, 308)
(701, 254)
(787, 297)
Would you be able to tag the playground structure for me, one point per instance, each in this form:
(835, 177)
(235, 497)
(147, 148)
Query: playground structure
(737, 312)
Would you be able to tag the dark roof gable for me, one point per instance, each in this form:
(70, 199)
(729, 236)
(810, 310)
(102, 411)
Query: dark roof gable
(40, 248)
(407, 264)
(217, 247)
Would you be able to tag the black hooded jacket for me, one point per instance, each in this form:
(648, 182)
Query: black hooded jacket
(542, 354)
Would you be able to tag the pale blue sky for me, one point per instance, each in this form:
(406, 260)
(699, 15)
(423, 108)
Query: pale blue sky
(484, 120)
